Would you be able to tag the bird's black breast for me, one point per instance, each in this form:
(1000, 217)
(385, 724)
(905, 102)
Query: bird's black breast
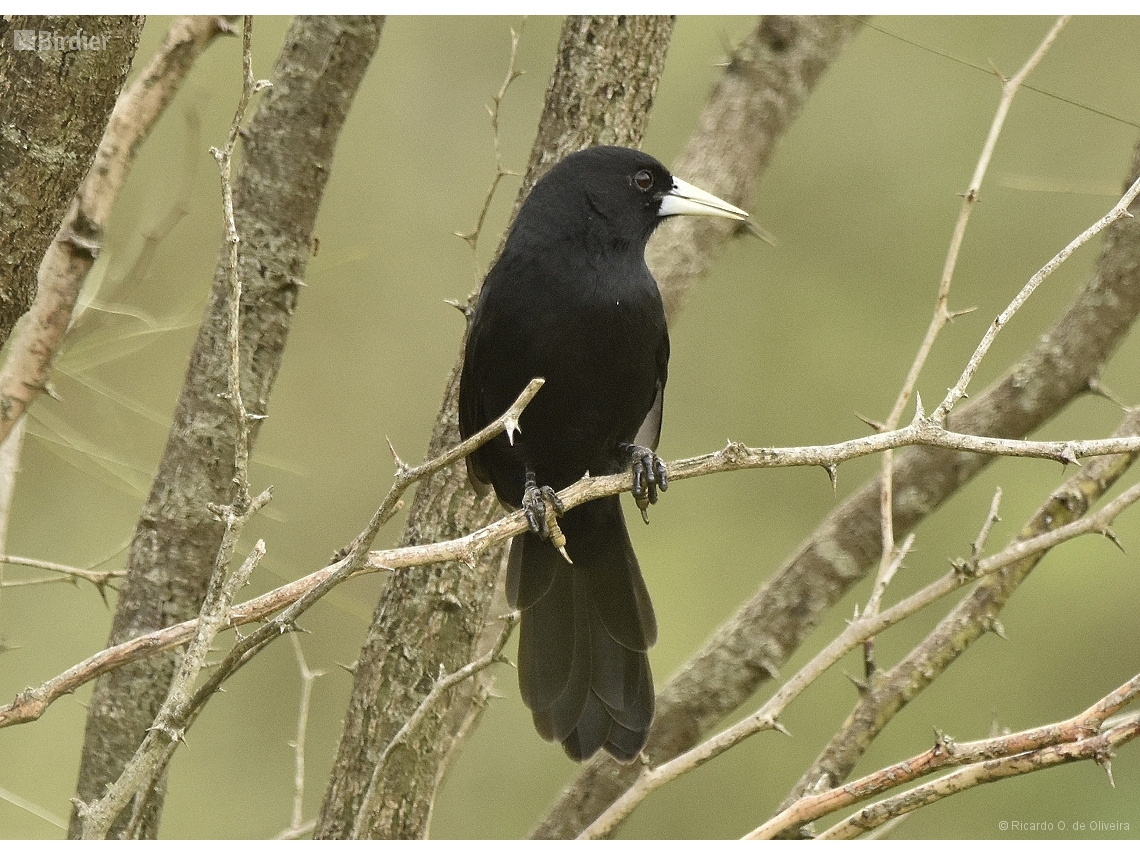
(592, 324)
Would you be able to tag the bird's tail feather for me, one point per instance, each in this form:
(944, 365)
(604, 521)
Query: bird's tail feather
(586, 627)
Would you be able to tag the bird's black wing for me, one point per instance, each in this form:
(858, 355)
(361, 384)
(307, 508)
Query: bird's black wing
(472, 419)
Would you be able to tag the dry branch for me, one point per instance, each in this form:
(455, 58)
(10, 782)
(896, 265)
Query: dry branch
(1097, 748)
(467, 549)
(857, 631)
(947, 752)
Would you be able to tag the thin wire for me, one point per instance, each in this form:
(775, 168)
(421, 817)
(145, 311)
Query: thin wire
(990, 71)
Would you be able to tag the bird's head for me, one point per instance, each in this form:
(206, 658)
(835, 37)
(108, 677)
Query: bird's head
(620, 191)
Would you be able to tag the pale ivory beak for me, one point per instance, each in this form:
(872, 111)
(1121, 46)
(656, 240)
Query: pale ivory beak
(686, 200)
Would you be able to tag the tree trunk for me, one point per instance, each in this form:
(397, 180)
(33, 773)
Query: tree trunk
(433, 618)
(288, 153)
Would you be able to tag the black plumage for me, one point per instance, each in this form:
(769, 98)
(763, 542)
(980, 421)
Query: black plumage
(571, 300)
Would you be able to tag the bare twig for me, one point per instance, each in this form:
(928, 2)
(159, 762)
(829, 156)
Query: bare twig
(991, 519)
(98, 578)
(886, 574)
(1119, 210)
(308, 678)
(942, 314)
(472, 237)
(884, 579)
(946, 752)
(224, 157)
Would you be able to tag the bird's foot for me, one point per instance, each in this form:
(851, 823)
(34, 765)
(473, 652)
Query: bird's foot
(542, 507)
(649, 476)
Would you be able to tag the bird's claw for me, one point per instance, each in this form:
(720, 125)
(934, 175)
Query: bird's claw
(542, 507)
(649, 476)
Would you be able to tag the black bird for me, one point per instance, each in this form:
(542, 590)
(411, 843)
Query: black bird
(571, 300)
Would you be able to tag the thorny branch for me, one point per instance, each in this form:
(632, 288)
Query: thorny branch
(947, 752)
(224, 157)
(31, 703)
(472, 237)
(858, 631)
(975, 615)
(151, 758)
(1097, 748)
(1119, 211)
(99, 578)
(942, 314)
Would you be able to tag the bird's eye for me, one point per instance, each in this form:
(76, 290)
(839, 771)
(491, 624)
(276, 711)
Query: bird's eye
(643, 179)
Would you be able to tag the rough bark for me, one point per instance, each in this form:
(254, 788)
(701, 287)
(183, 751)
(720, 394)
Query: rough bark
(765, 85)
(434, 617)
(766, 631)
(288, 154)
(54, 105)
(79, 239)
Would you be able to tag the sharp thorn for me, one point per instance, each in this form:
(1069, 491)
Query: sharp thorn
(950, 316)
(833, 474)
(1068, 455)
(511, 427)
(1111, 535)
(770, 668)
(1097, 388)
(1105, 762)
(395, 457)
(463, 307)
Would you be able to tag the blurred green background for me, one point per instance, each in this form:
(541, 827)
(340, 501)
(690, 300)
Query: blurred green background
(778, 346)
